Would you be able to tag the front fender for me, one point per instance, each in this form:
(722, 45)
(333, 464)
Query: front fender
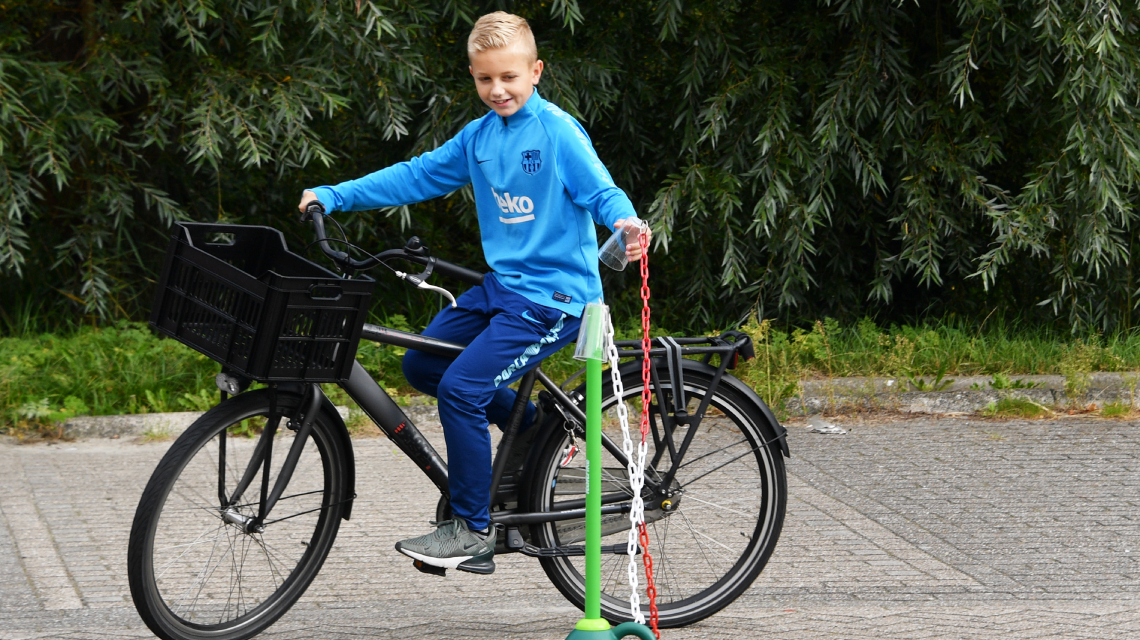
(340, 431)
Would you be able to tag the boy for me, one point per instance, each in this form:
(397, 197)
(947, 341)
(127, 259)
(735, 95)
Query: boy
(539, 186)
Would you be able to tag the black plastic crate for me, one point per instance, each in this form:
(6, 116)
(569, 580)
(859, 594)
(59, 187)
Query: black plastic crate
(237, 294)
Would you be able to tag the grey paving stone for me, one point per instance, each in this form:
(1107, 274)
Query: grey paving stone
(924, 528)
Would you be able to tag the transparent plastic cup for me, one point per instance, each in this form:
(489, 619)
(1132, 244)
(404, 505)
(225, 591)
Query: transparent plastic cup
(612, 251)
(592, 333)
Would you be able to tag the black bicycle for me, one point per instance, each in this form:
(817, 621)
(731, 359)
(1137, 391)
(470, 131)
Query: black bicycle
(242, 511)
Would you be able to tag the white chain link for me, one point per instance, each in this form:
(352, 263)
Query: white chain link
(636, 473)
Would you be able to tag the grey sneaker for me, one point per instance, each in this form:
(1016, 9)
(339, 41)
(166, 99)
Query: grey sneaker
(453, 546)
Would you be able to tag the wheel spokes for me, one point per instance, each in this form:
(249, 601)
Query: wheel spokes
(219, 572)
(717, 465)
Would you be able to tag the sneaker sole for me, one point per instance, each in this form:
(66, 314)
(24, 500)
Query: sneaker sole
(481, 567)
(461, 563)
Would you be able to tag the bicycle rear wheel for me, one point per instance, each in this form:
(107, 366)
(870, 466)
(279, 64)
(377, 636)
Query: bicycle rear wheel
(724, 522)
(196, 569)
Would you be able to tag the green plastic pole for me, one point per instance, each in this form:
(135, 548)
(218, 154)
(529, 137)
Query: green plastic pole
(594, 489)
(591, 348)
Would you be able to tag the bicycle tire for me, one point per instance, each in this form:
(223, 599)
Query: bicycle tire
(744, 524)
(195, 575)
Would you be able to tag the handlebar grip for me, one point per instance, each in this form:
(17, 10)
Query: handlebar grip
(450, 270)
(312, 210)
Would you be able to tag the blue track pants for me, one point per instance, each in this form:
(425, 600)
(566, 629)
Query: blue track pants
(507, 335)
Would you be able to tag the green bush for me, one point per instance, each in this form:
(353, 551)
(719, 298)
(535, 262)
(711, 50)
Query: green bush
(843, 159)
(125, 369)
(122, 368)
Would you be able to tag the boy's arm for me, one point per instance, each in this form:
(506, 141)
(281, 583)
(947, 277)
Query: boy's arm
(424, 177)
(586, 178)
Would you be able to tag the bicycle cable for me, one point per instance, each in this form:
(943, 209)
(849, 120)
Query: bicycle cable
(351, 245)
(343, 233)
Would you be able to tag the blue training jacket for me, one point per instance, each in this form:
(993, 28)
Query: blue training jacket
(539, 187)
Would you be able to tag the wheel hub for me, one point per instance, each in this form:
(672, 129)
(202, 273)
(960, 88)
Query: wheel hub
(243, 522)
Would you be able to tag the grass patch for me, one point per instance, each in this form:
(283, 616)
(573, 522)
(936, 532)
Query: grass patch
(1016, 408)
(250, 427)
(828, 349)
(1001, 381)
(1116, 409)
(925, 357)
(125, 369)
(360, 425)
(45, 379)
(33, 430)
(158, 434)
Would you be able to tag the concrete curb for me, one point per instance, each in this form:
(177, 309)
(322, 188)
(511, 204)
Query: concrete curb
(966, 394)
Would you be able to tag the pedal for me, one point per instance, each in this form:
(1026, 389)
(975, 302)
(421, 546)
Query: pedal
(427, 568)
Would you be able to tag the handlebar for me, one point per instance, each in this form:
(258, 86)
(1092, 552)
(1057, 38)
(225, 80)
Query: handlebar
(414, 252)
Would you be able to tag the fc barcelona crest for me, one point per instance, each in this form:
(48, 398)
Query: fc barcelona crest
(531, 161)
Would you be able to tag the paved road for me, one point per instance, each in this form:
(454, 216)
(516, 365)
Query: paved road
(924, 528)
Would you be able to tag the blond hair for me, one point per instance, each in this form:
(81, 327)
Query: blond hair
(499, 30)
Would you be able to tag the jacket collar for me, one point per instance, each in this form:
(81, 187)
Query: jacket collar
(531, 109)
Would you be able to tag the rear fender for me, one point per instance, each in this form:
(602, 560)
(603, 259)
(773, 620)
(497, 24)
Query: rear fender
(773, 430)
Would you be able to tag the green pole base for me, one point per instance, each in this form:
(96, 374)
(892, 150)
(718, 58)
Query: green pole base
(621, 631)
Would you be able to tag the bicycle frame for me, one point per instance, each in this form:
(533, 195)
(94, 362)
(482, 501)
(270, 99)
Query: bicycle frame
(399, 428)
(305, 451)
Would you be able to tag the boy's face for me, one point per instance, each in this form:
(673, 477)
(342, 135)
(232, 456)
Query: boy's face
(505, 78)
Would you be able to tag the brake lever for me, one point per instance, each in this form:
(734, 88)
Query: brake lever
(421, 284)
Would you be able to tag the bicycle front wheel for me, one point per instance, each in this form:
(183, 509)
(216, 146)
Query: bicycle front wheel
(716, 535)
(197, 568)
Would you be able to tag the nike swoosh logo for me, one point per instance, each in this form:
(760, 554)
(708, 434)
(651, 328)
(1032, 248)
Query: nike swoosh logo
(526, 315)
(478, 161)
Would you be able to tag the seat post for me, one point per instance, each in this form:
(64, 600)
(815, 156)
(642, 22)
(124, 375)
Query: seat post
(526, 385)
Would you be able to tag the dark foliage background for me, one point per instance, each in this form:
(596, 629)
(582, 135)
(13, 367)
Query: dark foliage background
(839, 158)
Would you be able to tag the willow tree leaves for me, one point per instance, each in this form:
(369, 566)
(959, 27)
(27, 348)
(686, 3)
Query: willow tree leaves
(841, 157)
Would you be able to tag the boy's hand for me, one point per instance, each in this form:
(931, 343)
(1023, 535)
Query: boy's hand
(633, 247)
(306, 197)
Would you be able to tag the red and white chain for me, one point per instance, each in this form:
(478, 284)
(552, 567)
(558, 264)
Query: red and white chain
(646, 344)
(638, 534)
(636, 470)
